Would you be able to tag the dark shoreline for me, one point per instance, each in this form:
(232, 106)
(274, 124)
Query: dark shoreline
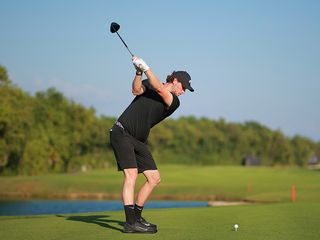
(117, 196)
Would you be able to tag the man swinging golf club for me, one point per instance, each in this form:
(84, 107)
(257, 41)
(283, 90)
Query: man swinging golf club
(154, 102)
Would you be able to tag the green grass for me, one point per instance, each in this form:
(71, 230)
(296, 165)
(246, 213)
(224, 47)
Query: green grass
(178, 182)
(281, 220)
(268, 221)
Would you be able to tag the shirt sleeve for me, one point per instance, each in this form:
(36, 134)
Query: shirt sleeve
(146, 84)
(174, 105)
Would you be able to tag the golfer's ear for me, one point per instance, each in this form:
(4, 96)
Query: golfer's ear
(175, 81)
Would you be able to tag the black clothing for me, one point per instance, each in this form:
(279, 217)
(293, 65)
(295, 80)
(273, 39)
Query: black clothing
(138, 227)
(128, 137)
(145, 111)
(138, 210)
(145, 223)
(130, 214)
(130, 152)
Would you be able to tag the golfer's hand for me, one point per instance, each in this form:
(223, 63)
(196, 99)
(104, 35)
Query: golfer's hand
(138, 70)
(140, 64)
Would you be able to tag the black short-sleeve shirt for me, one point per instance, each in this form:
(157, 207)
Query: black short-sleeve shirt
(145, 111)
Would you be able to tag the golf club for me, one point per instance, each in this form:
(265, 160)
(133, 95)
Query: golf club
(114, 27)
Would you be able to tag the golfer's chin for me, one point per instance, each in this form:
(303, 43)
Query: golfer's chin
(176, 93)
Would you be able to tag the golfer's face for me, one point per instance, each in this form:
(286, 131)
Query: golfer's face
(179, 89)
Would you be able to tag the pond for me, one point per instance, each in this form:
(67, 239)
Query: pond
(38, 207)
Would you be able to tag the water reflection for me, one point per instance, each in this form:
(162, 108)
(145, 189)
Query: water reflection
(37, 207)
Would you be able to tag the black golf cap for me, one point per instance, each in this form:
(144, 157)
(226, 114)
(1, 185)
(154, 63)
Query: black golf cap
(184, 78)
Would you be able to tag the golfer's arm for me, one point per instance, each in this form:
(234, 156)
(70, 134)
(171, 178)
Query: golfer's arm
(137, 88)
(158, 87)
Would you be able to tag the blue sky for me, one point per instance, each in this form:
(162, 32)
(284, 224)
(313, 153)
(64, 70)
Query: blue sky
(249, 60)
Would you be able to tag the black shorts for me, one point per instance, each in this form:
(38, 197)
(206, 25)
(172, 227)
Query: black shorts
(130, 152)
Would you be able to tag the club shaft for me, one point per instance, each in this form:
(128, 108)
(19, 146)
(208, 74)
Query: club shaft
(124, 43)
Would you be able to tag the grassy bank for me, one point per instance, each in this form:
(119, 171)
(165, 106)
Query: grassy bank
(270, 221)
(178, 182)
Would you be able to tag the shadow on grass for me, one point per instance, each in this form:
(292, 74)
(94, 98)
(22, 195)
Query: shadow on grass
(101, 220)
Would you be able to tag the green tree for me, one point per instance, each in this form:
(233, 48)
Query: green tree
(304, 149)
(4, 78)
(50, 133)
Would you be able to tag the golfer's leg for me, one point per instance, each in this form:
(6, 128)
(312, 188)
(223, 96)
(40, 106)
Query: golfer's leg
(130, 177)
(153, 179)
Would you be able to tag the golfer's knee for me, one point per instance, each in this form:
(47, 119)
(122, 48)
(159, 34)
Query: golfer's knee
(130, 175)
(154, 180)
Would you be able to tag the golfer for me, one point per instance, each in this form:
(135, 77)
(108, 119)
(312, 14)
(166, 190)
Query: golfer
(154, 102)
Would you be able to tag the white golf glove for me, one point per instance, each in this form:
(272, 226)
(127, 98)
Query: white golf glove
(140, 64)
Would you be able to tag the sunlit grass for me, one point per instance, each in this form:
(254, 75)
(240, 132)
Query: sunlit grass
(178, 182)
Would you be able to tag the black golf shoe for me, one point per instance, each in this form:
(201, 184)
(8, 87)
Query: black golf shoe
(138, 227)
(145, 223)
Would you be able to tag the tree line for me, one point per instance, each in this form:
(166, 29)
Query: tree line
(47, 132)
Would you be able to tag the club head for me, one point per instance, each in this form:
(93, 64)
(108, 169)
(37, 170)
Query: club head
(114, 27)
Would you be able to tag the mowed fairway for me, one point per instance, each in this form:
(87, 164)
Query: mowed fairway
(261, 184)
(268, 221)
(273, 217)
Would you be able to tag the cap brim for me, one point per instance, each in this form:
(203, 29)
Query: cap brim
(190, 89)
